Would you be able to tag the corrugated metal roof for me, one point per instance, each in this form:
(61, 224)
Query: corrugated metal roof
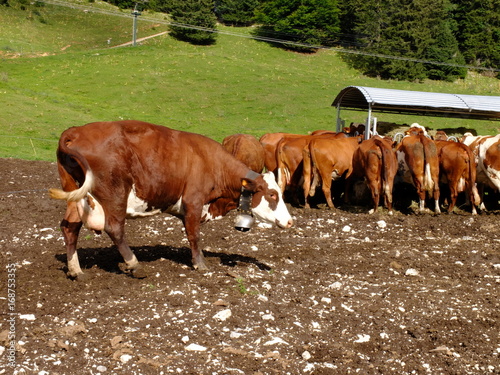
(419, 102)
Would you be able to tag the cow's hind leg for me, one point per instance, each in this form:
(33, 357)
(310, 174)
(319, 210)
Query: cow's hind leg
(375, 190)
(70, 227)
(115, 228)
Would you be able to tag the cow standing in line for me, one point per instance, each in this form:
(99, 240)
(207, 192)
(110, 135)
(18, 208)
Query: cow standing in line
(113, 170)
(418, 164)
(325, 160)
(269, 142)
(457, 170)
(375, 162)
(289, 154)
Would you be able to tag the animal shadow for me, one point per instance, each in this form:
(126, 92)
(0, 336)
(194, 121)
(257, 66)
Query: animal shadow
(108, 259)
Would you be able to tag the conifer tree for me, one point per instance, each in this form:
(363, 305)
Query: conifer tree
(308, 22)
(193, 19)
(236, 12)
(478, 31)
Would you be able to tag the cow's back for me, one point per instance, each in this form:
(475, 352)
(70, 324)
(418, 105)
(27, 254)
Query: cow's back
(246, 148)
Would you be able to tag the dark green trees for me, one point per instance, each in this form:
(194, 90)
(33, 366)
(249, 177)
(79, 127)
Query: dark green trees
(236, 12)
(478, 31)
(302, 22)
(198, 15)
(399, 38)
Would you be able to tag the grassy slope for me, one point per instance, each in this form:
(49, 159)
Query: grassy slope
(237, 85)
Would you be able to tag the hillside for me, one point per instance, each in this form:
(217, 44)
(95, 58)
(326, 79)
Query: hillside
(58, 70)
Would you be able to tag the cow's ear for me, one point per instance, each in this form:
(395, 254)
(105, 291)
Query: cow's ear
(248, 184)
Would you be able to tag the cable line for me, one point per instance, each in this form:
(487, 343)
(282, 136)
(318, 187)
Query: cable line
(264, 38)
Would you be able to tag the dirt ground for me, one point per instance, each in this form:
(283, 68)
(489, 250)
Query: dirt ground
(341, 292)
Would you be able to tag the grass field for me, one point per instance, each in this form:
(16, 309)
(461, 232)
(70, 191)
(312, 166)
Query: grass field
(57, 71)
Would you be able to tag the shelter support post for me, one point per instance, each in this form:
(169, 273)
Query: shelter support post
(368, 122)
(339, 120)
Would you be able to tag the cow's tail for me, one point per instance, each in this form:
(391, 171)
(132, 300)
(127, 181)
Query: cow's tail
(430, 152)
(67, 155)
(471, 181)
(283, 172)
(384, 159)
(315, 175)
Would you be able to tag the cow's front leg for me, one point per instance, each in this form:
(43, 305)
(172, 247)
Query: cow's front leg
(192, 226)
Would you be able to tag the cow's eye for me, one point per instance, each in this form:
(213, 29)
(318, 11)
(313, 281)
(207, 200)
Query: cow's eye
(273, 195)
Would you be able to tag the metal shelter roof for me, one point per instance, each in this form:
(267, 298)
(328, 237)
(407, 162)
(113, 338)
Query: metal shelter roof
(418, 103)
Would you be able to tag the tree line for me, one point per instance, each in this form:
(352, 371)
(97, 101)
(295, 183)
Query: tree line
(392, 39)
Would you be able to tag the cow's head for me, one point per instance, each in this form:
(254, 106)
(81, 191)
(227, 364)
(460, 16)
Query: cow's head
(261, 197)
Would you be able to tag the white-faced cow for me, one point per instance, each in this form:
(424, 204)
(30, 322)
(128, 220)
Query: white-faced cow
(486, 150)
(113, 170)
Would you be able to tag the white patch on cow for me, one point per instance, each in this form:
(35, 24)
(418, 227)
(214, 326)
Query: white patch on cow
(283, 178)
(461, 185)
(263, 211)
(137, 207)
(416, 125)
(206, 216)
(91, 212)
(428, 181)
(335, 174)
(176, 208)
(494, 177)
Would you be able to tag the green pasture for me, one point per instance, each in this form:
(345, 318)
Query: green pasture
(57, 70)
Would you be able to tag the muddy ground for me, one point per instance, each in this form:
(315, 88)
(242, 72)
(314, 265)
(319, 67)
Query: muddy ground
(341, 292)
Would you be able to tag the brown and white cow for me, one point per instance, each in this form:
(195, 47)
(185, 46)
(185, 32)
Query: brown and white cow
(457, 170)
(418, 164)
(113, 170)
(325, 160)
(375, 162)
(246, 148)
(486, 150)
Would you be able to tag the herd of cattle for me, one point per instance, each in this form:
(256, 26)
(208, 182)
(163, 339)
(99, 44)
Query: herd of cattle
(113, 170)
(301, 163)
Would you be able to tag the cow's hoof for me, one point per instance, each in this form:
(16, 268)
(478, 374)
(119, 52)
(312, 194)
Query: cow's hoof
(200, 266)
(80, 277)
(139, 273)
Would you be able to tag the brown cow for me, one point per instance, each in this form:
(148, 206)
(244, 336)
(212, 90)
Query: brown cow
(269, 142)
(457, 169)
(441, 136)
(375, 162)
(246, 148)
(327, 159)
(418, 164)
(289, 154)
(111, 170)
